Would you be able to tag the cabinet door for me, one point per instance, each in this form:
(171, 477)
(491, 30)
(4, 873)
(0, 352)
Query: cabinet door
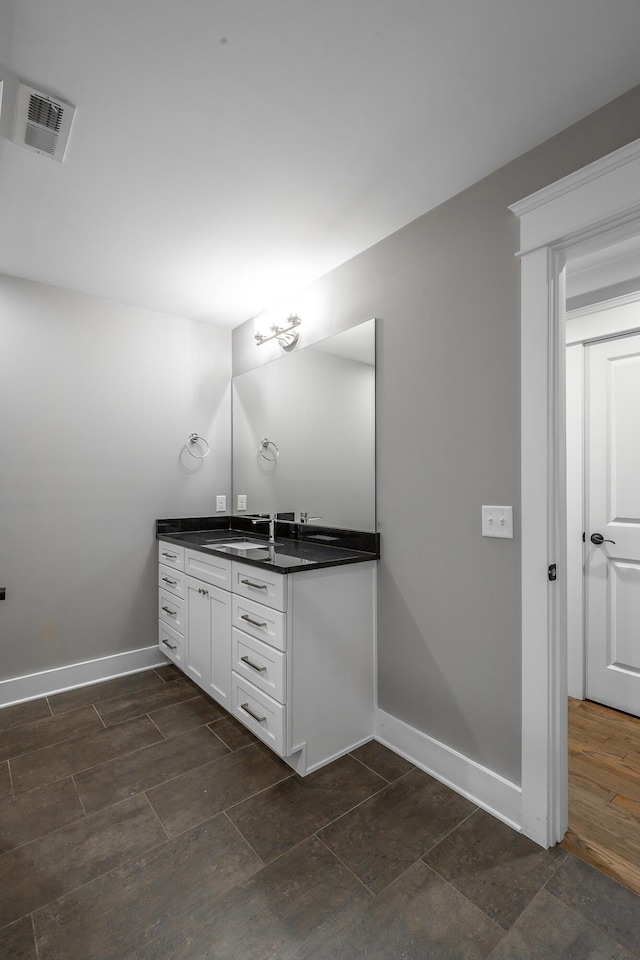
(208, 641)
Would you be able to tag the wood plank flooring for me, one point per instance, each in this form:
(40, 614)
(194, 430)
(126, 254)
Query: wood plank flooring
(604, 790)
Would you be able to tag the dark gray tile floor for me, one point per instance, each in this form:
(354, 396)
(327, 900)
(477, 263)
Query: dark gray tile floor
(138, 820)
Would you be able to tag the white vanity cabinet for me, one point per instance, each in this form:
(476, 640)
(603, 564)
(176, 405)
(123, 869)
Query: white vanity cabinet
(259, 657)
(290, 655)
(171, 592)
(194, 608)
(303, 659)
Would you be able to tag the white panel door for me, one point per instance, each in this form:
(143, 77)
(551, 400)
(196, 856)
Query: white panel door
(612, 569)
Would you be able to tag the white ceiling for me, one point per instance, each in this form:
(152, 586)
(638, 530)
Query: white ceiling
(225, 152)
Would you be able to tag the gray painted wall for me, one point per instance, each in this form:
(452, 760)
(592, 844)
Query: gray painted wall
(447, 291)
(96, 403)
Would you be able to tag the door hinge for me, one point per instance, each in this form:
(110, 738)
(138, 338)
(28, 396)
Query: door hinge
(552, 572)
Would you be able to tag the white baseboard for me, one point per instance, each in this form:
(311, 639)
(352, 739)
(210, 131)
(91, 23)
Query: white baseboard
(35, 685)
(482, 786)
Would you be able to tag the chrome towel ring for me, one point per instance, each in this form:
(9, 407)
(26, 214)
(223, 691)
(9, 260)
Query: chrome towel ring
(266, 445)
(196, 438)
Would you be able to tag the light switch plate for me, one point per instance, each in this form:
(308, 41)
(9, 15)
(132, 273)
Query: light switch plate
(242, 501)
(497, 522)
(221, 502)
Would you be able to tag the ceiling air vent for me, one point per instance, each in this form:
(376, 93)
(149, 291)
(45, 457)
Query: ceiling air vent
(42, 122)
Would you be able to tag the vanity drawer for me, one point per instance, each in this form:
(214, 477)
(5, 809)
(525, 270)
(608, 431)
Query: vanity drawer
(171, 609)
(171, 580)
(208, 567)
(260, 621)
(259, 663)
(171, 643)
(259, 584)
(171, 555)
(259, 713)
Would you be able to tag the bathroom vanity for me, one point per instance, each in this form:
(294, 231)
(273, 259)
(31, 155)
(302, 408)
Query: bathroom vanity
(282, 636)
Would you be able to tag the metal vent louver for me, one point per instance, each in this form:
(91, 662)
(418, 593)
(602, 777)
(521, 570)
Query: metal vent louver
(42, 122)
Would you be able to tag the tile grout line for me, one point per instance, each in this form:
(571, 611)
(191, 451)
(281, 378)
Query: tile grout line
(475, 906)
(35, 939)
(84, 811)
(145, 853)
(581, 916)
(132, 696)
(65, 826)
(242, 837)
(330, 823)
(13, 792)
(157, 727)
(55, 743)
(156, 815)
(98, 715)
(140, 792)
(377, 772)
(386, 783)
(111, 759)
(437, 843)
(162, 783)
(116, 696)
(218, 737)
(75, 773)
(367, 767)
(340, 861)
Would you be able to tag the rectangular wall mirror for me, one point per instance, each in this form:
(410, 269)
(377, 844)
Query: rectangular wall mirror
(304, 432)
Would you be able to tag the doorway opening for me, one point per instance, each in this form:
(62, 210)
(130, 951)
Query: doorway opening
(591, 209)
(603, 573)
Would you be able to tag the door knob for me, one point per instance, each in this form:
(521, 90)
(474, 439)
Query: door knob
(598, 539)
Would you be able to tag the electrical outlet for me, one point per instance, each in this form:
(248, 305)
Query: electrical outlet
(242, 501)
(221, 502)
(497, 522)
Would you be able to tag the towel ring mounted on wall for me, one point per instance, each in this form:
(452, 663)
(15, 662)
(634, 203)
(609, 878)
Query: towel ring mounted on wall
(265, 445)
(196, 438)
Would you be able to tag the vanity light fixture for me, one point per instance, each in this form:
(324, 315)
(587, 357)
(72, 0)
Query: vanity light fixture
(286, 336)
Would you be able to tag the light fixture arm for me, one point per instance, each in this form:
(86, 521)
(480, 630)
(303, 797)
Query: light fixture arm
(284, 335)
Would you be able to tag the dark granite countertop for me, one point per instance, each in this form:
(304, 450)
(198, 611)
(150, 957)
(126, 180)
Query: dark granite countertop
(298, 546)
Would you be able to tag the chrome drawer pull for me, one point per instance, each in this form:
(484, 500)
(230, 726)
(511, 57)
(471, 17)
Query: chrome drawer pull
(255, 623)
(253, 665)
(258, 586)
(172, 613)
(172, 582)
(172, 646)
(172, 556)
(245, 707)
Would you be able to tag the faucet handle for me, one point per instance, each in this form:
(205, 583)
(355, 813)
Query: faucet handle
(307, 516)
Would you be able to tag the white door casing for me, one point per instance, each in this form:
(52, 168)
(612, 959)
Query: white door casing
(596, 206)
(612, 569)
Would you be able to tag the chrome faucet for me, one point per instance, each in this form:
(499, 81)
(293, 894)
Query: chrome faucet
(271, 520)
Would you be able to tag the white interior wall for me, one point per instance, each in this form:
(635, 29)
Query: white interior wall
(96, 403)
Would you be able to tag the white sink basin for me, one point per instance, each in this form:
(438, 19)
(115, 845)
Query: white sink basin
(238, 545)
